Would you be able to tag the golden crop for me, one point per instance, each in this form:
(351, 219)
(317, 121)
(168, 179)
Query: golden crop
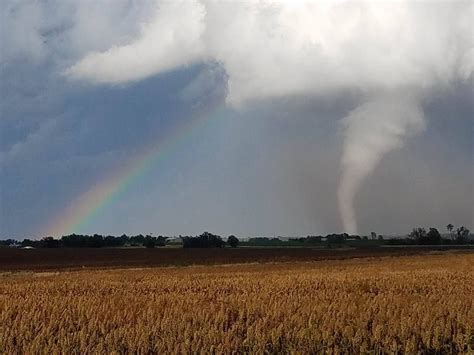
(404, 304)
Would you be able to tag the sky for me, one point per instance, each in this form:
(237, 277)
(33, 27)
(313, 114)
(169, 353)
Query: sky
(248, 118)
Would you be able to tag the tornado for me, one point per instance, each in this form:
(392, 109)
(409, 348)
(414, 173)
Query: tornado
(378, 126)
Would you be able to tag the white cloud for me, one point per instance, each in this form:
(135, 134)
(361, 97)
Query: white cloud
(172, 39)
(271, 48)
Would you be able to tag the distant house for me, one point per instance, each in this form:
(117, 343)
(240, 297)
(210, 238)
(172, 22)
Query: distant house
(27, 247)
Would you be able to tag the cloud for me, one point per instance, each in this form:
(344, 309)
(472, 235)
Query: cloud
(273, 49)
(31, 145)
(63, 31)
(19, 35)
(390, 57)
(171, 40)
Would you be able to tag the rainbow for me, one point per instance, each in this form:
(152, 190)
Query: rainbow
(82, 210)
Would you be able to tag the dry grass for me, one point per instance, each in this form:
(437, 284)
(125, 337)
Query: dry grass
(404, 304)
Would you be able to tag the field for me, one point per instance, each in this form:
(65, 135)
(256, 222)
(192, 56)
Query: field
(415, 303)
(79, 258)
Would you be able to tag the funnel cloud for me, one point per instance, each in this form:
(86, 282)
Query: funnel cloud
(376, 127)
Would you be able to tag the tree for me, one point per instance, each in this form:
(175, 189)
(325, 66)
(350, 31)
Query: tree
(161, 241)
(205, 240)
(8, 242)
(96, 241)
(137, 240)
(149, 242)
(336, 238)
(50, 242)
(461, 235)
(418, 234)
(450, 228)
(433, 236)
(233, 241)
(314, 239)
(373, 235)
(111, 241)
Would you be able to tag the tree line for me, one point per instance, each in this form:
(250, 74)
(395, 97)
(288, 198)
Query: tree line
(421, 236)
(418, 236)
(205, 240)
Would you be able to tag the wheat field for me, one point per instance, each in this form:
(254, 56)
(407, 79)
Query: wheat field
(401, 304)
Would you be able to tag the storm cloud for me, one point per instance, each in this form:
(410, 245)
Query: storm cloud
(393, 54)
(322, 96)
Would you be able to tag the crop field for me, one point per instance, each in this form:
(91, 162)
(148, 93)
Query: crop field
(79, 258)
(419, 303)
